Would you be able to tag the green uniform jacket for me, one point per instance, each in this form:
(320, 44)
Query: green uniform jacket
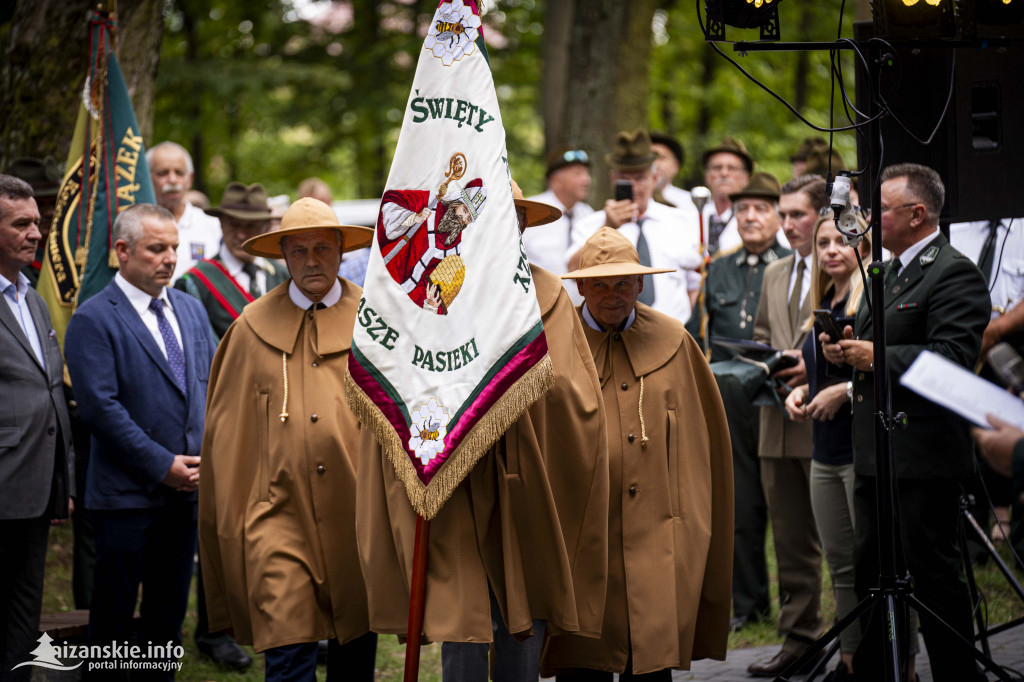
(939, 303)
(732, 291)
(220, 294)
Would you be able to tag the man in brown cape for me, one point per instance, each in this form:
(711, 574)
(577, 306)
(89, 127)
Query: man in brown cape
(277, 505)
(670, 476)
(521, 544)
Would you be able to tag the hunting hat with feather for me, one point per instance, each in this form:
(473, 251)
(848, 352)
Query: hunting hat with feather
(762, 185)
(242, 202)
(631, 151)
(732, 146)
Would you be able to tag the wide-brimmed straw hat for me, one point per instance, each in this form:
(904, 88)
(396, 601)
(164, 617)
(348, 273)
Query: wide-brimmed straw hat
(609, 254)
(242, 203)
(631, 151)
(537, 212)
(307, 215)
(762, 185)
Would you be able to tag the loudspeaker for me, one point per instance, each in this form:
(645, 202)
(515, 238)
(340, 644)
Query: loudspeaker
(979, 145)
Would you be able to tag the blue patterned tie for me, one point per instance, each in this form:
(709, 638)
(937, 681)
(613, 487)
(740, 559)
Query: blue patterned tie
(174, 354)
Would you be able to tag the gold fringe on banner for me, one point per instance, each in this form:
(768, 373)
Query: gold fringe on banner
(427, 501)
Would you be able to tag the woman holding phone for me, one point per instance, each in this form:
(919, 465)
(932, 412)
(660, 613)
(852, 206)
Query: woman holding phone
(836, 287)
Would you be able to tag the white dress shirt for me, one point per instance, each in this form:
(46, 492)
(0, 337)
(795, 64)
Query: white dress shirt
(805, 287)
(730, 237)
(198, 238)
(1007, 285)
(676, 196)
(911, 253)
(14, 293)
(140, 300)
(546, 245)
(330, 298)
(673, 239)
(234, 268)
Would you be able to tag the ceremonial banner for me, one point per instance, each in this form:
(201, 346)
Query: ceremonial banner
(448, 348)
(106, 172)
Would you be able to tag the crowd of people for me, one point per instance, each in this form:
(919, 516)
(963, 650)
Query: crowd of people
(618, 527)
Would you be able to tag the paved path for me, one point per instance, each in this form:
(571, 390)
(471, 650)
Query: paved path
(1007, 650)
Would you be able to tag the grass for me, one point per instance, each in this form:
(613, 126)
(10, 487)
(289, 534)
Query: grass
(1001, 603)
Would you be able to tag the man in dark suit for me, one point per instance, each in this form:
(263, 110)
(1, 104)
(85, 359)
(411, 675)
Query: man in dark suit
(36, 459)
(935, 299)
(139, 356)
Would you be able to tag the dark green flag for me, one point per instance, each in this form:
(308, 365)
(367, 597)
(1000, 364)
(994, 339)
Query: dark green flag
(106, 172)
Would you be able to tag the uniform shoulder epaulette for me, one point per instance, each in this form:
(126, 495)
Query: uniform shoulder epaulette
(269, 267)
(929, 255)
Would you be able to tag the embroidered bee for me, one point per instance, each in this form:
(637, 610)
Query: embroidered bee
(430, 432)
(449, 30)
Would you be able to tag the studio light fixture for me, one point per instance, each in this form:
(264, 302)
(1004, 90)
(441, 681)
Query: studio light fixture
(914, 18)
(948, 18)
(763, 14)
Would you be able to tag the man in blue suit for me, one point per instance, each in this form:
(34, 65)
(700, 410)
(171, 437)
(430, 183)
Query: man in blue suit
(139, 356)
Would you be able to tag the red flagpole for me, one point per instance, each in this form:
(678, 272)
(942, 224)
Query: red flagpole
(417, 600)
(700, 197)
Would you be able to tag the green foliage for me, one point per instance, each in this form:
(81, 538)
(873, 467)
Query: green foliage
(273, 97)
(686, 84)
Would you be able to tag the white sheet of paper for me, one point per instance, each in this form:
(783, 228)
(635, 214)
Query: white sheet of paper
(963, 392)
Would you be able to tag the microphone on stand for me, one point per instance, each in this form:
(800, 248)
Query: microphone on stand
(701, 196)
(1008, 365)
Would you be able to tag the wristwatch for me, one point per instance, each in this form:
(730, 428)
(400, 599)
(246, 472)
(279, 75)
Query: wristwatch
(849, 390)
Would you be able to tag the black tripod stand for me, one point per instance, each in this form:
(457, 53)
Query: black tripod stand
(895, 591)
(969, 524)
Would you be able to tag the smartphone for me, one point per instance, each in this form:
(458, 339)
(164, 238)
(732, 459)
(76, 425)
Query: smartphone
(623, 190)
(828, 324)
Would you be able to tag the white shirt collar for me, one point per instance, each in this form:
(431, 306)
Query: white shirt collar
(596, 326)
(300, 299)
(917, 247)
(21, 284)
(139, 298)
(233, 264)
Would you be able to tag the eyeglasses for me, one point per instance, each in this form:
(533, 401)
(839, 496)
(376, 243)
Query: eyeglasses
(886, 209)
(575, 156)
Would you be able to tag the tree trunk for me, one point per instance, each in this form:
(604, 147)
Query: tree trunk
(608, 82)
(197, 146)
(803, 59)
(557, 35)
(44, 66)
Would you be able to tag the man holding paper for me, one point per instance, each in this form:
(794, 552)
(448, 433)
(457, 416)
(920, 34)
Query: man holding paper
(1003, 449)
(935, 299)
